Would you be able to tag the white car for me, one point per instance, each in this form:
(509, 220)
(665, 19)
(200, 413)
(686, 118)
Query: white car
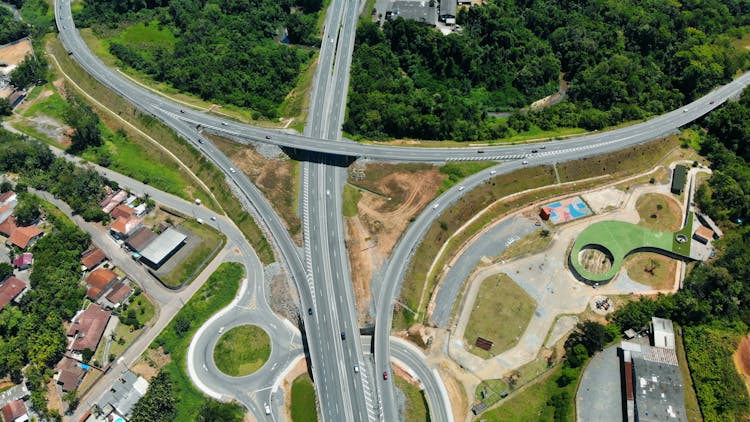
(525, 162)
(684, 110)
(267, 408)
(434, 207)
(493, 171)
(356, 368)
(460, 188)
(231, 169)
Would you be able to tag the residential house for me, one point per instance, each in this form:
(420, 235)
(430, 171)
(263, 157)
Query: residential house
(23, 261)
(111, 201)
(92, 258)
(11, 289)
(118, 402)
(70, 373)
(98, 281)
(23, 237)
(15, 411)
(123, 227)
(119, 293)
(87, 328)
(6, 210)
(8, 226)
(122, 211)
(140, 239)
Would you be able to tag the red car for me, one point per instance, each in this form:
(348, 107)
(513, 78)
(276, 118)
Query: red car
(385, 375)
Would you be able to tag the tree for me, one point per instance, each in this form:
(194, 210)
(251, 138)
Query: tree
(27, 210)
(86, 125)
(5, 108)
(6, 270)
(158, 404)
(181, 324)
(213, 410)
(32, 70)
(87, 354)
(591, 334)
(71, 397)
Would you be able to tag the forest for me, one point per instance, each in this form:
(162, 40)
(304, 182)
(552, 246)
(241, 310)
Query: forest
(11, 29)
(224, 50)
(623, 60)
(714, 306)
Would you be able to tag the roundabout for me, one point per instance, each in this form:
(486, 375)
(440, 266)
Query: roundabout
(242, 350)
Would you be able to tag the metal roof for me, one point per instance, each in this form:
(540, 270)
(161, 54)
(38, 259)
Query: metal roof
(162, 246)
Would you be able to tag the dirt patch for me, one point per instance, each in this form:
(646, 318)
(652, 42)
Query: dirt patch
(275, 177)
(742, 360)
(283, 300)
(456, 395)
(392, 194)
(659, 212)
(54, 401)
(149, 364)
(14, 54)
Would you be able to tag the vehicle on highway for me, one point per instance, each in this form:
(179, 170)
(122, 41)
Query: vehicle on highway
(385, 375)
(434, 207)
(684, 110)
(213, 218)
(221, 330)
(224, 124)
(343, 335)
(493, 171)
(267, 408)
(309, 311)
(182, 111)
(231, 169)
(460, 188)
(356, 368)
(712, 102)
(480, 151)
(197, 201)
(525, 162)
(268, 137)
(533, 151)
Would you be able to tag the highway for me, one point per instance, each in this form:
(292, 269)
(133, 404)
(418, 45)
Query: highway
(324, 252)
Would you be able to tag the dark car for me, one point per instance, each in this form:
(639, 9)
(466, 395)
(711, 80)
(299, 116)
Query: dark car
(385, 375)
(343, 335)
(309, 311)
(533, 151)
(481, 151)
(268, 137)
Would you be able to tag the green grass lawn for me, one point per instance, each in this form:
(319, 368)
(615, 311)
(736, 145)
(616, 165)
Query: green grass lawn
(53, 106)
(501, 313)
(620, 239)
(242, 350)
(459, 171)
(216, 293)
(416, 409)
(684, 248)
(531, 404)
(659, 212)
(352, 196)
(303, 400)
(211, 241)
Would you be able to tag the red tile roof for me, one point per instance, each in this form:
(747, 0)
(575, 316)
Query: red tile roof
(8, 226)
(93, 258)
(14, 410)
(97, 281)
(88, 327)
(22, 236)
(10, 289)
(125, 225)
(705, 232)
(122, 211)
(5, 196)
(119, 292)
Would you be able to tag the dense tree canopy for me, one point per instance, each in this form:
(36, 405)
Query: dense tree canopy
(225, 50)
(85, 123)
(32, 70)
(623, 59)
(11, 29)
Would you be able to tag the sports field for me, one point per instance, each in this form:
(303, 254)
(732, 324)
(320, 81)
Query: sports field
(618, 239)
(566, 210)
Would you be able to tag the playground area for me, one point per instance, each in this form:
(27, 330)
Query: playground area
(565, 210)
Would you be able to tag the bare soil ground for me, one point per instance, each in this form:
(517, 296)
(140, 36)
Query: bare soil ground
(149, 365)
(595, 261)
(404, 190)
(14, 54)
(54, 401)
(742, 360)
(276, 178)
(456, 394)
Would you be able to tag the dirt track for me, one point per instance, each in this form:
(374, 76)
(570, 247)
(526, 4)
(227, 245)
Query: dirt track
(742, 360)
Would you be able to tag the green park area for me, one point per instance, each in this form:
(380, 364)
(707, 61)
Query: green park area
(600, 249)
(242, 350)
(501, 313)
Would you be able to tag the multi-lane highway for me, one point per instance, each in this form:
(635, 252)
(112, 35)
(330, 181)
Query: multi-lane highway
(323, 279)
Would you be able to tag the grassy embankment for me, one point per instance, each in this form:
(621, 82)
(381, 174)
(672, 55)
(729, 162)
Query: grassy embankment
(192, 159)
(215, 294)
(242, 350)
(303, 400)
(418, 284)
(415, 408)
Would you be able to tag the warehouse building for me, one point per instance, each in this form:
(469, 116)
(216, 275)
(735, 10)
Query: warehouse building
(162, 248)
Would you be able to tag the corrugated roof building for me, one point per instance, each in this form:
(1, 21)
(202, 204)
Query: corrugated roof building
(163, 247)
